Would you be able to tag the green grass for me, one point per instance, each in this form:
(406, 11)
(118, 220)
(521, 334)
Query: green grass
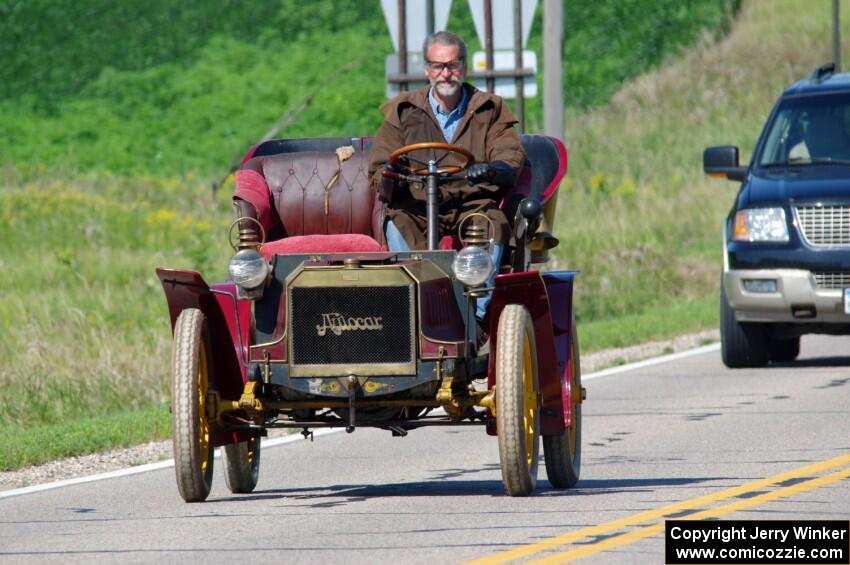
(191, 85)
(30, 445)
(662, 322)
(83, 317)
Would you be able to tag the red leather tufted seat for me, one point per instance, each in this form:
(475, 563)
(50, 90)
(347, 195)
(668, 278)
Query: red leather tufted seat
(315, 201)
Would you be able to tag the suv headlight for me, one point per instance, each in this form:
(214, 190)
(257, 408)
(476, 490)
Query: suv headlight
(760, 224)
(248, 269)
(472, 266)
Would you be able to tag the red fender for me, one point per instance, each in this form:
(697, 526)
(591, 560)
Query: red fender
(229, 321)
(528, 288)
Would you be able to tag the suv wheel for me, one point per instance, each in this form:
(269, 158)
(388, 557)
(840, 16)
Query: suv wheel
(784, 349)
(741, 344)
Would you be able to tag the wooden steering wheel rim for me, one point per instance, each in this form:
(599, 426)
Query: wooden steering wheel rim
(446, 170)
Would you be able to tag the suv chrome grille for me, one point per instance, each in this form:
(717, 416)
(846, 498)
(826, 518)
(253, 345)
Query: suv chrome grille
(825, 225)
(832, 279)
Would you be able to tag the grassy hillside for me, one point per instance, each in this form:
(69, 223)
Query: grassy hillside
(653, 252)
(109, 141)
(170, 87)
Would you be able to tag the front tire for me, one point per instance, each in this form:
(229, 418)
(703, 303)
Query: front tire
(741, 344)
(517, 410)
(192, 429)
(562, 453)
(241, 465)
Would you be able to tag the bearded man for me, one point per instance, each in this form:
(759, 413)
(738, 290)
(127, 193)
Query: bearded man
(448, 110)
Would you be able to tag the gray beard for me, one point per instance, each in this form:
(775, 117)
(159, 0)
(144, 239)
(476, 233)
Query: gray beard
(447, 89)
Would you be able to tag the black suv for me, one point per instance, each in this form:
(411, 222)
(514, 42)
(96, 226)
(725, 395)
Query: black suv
(786, 261)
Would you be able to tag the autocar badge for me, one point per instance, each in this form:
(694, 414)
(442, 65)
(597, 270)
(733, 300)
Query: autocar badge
(336, 323)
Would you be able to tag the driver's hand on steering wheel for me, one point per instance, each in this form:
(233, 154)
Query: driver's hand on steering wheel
(497, 172)
(478, 172)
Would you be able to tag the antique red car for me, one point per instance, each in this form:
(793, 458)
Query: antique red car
(326, 328)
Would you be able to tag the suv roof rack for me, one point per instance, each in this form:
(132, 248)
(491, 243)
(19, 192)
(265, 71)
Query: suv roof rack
(823, 72)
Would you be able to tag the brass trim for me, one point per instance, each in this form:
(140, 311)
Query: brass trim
(369, 276)
(476, 238)
(251, 403)
(269, 344)
(239, 220)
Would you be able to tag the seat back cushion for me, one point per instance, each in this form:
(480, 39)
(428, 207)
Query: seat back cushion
(320, 193)
(547, 158)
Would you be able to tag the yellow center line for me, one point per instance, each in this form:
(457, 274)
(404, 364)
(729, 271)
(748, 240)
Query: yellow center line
(658, 528)
(656, 513)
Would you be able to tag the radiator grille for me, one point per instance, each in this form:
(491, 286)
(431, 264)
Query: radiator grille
(832, 279)
(825, 225)
(351, 325)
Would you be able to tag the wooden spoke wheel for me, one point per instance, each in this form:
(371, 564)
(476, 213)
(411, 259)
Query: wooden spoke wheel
(402, 161)
(241, 465)
(517, 407)
(192, 429)
(562, 453)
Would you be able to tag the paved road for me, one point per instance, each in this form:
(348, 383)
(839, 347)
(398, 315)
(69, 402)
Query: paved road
(682, 437)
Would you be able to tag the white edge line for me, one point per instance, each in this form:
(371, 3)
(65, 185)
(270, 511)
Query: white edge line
(165, 464)
(326, 431)
(650, 362)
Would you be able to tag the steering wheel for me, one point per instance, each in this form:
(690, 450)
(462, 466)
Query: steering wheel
(400, 158)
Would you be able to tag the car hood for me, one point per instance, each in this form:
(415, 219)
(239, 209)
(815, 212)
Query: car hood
(823, 184)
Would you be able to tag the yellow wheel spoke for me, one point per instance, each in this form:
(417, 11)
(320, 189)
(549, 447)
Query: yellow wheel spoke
(529, 399)
(204, 425)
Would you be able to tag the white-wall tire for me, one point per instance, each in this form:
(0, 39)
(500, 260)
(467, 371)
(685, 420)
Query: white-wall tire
(517, 403)
(191, 428)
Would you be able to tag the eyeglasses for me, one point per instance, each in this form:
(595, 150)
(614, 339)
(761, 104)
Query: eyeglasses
(437, 67)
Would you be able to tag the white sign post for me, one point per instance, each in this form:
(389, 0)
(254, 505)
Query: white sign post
(504, 60)
(503, 21)
(416, 27)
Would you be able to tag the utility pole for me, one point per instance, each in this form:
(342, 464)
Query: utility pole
(518, 81)
(553, 68)
(836, 35)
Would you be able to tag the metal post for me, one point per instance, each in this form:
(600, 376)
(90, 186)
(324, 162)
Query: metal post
(488, 43)
(402, 42)
(518, 81)
(432, 207)
(836, 35)
(553, 68)
(429, 17)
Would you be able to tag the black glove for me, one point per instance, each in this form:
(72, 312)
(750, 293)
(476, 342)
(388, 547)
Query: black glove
(498, 172)
(478, 172)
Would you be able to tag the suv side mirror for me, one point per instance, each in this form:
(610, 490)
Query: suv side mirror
(722, 161)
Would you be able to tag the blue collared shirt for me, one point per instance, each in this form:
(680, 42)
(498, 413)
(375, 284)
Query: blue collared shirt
(449, 120)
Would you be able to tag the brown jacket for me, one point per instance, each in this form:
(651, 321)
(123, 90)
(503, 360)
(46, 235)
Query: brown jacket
(486, 130)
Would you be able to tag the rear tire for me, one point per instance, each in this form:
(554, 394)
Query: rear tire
(562, 453)
(741, 344)
(517, 409)
(241, 465)
(192, 430)
(784, 350)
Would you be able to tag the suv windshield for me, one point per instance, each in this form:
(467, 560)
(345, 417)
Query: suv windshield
(812, 129)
